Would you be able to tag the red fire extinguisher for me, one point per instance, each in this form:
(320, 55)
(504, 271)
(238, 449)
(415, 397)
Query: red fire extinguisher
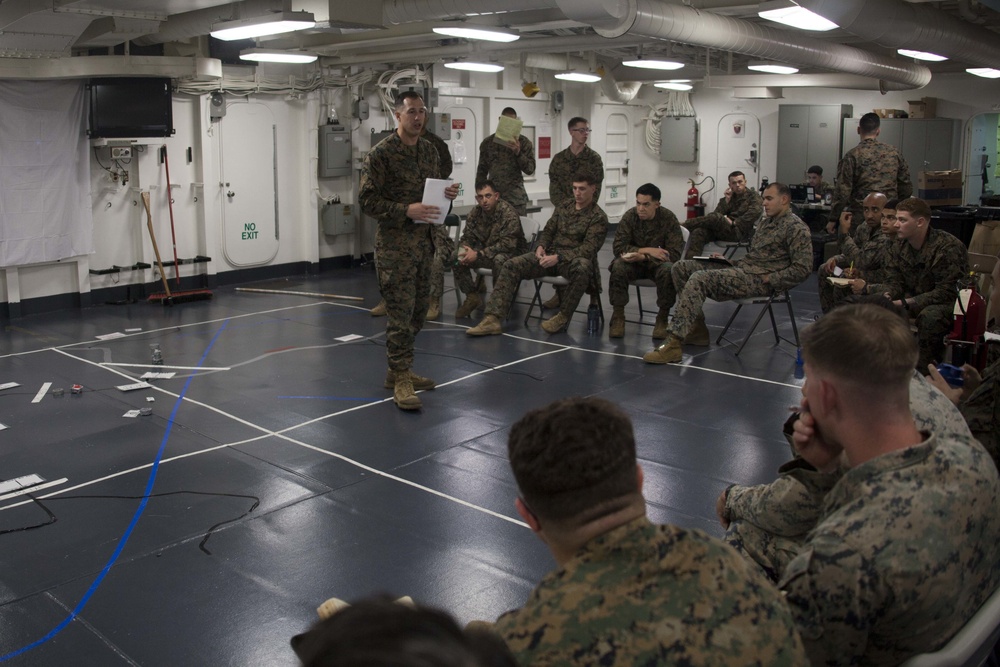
(692, 201)
(969, 325)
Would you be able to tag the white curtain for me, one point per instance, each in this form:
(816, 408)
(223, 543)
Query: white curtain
(45, 208)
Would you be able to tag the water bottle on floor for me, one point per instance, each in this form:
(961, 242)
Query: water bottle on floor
(593, 318)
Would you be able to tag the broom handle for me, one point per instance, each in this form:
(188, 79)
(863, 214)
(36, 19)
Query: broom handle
(170, 207)
(152, 237)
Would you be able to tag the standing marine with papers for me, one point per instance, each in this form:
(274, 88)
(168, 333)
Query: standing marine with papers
(505, 158)
(391, 191)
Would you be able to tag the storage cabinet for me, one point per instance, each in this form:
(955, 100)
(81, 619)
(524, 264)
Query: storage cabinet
(927, 144)
(809, 134)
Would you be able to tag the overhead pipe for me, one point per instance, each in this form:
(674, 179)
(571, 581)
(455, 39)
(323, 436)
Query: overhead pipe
(896, 24)
(831, 80)
(612, 89)
(408, 11)
(188, 25)
(657, 20)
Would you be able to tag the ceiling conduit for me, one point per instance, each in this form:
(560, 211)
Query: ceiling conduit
(658, 20)
(408, 11)
(612, 89)
(896, 24)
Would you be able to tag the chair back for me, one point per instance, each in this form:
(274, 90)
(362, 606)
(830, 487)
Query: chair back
(530, 229)
(971, 646)
(686, 235)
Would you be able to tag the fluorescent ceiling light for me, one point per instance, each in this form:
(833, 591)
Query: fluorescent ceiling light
(790, 14)
(772, 68)
(583, 77)
(475, 67)
(986, 72)
(259, 26)
(921, 55)
(488, 34)
(277, 56)
(653, 64)
(674, 85)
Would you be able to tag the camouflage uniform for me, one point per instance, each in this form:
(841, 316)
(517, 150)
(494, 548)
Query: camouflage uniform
(495, 237)
(769, 522)
(501, 165)
(928, 279)
(575, 236)
(642, 594)
(982, 411)
(744, 209)
(902, 556)
(444, 246)
(564, 168)
(663, 231)
(866, 252)
(392, 177)
(780, 250)
(871, 166)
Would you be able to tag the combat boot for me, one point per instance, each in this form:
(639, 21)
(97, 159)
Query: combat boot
(472, 302)
(668, 353)
(616, 329)
(419, 382)
(490, 326)
(555, 324)
(698, 335)
(552, 303)
(660, 328)
(379, 310)
(403, 395)
(434, 311)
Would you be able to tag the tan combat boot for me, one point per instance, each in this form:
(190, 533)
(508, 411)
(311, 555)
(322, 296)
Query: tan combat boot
(472, 302)
(555, 324)
(403, 394)
(552, 303)
(434, 311)
(699, 334)
(490, 326)
(668, 353)
(379, 310)
(419, 382)
(616, 329)
(660, 328)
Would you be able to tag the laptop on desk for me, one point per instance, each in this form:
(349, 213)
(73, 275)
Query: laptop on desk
(799, 193)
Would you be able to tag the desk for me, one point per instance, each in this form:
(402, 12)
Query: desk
(814, 215)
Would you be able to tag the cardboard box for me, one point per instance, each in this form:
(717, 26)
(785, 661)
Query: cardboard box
(940, 188)
(891, 113)
(925, 107)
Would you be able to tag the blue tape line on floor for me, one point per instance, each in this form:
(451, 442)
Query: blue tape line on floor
(131, 526)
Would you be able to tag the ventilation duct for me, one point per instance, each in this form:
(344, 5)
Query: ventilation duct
(409, 11)
(189, 25)
(617, 92)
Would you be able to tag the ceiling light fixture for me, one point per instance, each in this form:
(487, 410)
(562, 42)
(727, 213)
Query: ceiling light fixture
(985, 72)
(790, 14)
(676, 84)
(260, 26)
(653, 64)
(475, 67)
(921, 55)
(277, 56)
(487, 34)
(583, 77)
(772, 68)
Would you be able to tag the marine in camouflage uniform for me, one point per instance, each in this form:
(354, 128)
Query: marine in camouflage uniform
(564, 168)
(575, 235)
(926, 280)
(871, 166)
(861, 249)
(495, 236)
(743, 207)
(500, 164)
(392, 178)
(768, 523)
(981, 410)
(643, 594)
(444, 246)
(662, 231)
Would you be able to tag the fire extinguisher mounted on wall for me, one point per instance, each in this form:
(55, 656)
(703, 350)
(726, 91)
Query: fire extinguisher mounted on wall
(695, 201)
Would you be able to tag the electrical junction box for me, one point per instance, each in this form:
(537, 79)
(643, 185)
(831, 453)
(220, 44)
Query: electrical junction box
(338, 219)
(121, 152)
(334, 151)
(440, 124)
(379, 136)
(679, 139)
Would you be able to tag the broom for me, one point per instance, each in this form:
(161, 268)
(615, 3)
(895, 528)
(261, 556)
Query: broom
(168, 298)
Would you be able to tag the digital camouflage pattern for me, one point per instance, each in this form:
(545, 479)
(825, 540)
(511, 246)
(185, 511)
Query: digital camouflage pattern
(780, 249)
(495, 237)
(662, 231)
(575, 236)
(982, 411)
(902, 556)
(444, 153)
(928, 278)
(564, 168)
(867, 252)
(744, 209)
(442, 247)
(392, 177)
(871, 166)
(507, 170)
(653, 595)
(769, 522)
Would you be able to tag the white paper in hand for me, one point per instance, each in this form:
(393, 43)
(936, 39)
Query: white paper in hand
(434, 196)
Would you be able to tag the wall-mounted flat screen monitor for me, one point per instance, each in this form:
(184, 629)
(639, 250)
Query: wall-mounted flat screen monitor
(130, 107)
